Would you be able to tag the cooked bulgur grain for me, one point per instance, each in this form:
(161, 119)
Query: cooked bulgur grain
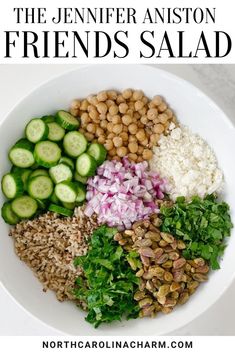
(48, 245)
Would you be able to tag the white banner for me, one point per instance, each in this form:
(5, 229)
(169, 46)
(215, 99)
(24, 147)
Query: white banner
(125, 344)
(117, 31)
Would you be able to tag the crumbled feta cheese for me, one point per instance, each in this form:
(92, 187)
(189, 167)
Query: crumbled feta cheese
(188, 163)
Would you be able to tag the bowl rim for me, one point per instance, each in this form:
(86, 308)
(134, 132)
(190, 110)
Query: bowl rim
(166, 73)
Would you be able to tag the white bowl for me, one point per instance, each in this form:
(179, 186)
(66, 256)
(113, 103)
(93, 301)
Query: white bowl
(192, 108)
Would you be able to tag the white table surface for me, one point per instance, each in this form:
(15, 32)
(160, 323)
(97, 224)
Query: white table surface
(218, 82)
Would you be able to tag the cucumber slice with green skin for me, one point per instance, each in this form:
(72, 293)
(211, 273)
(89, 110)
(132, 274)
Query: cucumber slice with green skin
(54, 199)
(69, 206)
(97, 151)
(36, 130)
(21, 154)
(8, 215)
(56, 132)
(47, 153)
(60, 172)
(42, 204)
(79, 178)
(48, 119)
(24, 206)
(68, 161)
(67, 120)
(60, 210)
(40, 187)
(86, 165)
(25, 176)
(66, 191)
(38, 172)
(81, 192)
(12, 185)
(74, 143)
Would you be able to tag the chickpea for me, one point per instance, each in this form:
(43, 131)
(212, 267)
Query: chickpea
(124, 136)
(113, 152)
(84, 105)
(116, 158)
(133, 147)
(140, 150)
(130, 112)
(143, 111)
(144, 119)
(116, 119)
(74, 112)
(140, 135)
(123, 107)
(157, 100)
(85, 119)
(162, 107)
(102, 108)
(139, 159)
(91, 128)
(133, 128)
(99, 131)
(121, 151)
(136, 115)
(91, 108)
(103, 124)
(154, 138)
(113, 110)
(89, 136)
(126, 119)
(127, 93)
(120, 99)
(163, 117)
(94, 100)
(145, 142)
(110, 127)
(139, 105)
(102, 96)
(109, 102)
(117, 141)
(169, 112)
(156, 121)
(150, 124)
(112, 94)
(102, 117)
(132, 156)
(117, 129)
(147, 154)
(158, 129)
(111, 135)
(132, 106)
(101, 139)
(75, 104)
(94, 115)
(124, 128)
(109, 117)
(152, 113)
(108, 145)
(145, 100)
(132, 138)
(151, 105)
(137, 95)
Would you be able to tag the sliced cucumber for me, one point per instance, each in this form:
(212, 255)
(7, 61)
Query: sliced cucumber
(56, 132)
(97, 151)
(8, 215)
(36, 130)
(79, 178)
(67, 120)
(54, 199)
(48, 119)
(12, 185)
(60, 172)
(81, 192)
(24, 207)
(66, 191)
(42, 204)
(69, 206)
(47, 153)
(21, 154)
(25, 176)
(86, 165)
(60, 210)
(38, 172)
(74, 143)
(40, 187)
(68, 161)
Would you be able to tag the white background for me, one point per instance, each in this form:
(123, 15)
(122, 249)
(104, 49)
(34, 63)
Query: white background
(218, 81)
